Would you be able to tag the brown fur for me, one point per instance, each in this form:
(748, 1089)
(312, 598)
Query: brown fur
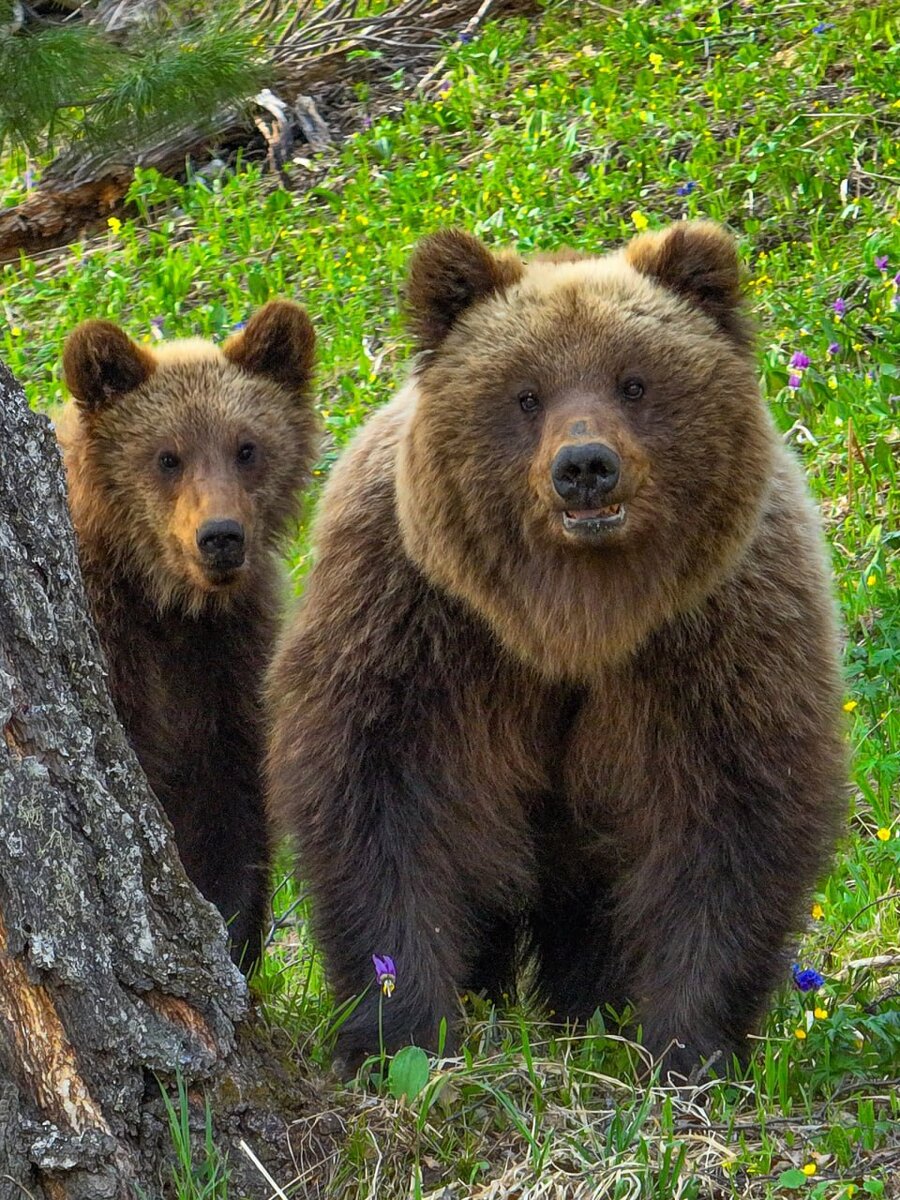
(494, 738)
(187, 648)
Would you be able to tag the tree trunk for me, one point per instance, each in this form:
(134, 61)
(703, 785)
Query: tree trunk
(114, 972)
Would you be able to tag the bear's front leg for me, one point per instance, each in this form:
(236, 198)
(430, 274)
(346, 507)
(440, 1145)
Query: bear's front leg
(703, 919)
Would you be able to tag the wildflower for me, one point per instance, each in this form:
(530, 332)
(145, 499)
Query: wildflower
(807, 980)
(818, 912)
(28, 179)
(685, 189)
(883, 834)
(156, 328)
(820, 1013)
(367, 122)
(465, 37)
(656, 61)
(839, 307)
(238, 326)
(800, 1035)
(385, 973)
(881, 262)
(640, 221)
(809, 1169)
(16, 331)
(795, 381)
(871, 580)
(822, 27)
(849, 705)
(115, 225)
(897, 280)
(834, 347)
(799, 360)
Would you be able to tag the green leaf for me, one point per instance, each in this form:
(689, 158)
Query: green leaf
(408, 1073)
(792, 1179)
(875, 1187)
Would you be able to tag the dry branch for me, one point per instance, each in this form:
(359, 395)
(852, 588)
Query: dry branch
(317, 47)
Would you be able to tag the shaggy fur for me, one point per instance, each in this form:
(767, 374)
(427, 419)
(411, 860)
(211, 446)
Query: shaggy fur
(497, 734)
(187, 643)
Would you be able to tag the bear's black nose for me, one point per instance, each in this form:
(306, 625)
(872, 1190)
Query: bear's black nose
(585, 473)
(221, 543)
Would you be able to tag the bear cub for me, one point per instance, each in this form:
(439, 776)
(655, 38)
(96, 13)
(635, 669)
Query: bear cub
(564, 689)
(185, 464)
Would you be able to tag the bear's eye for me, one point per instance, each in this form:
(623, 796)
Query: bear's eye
(632, 389)
(168, 462)
(247, 453)
(528, 401)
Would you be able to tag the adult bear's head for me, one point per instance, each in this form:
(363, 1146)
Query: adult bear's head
(588, 452)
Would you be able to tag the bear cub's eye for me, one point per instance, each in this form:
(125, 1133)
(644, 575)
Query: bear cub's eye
(632, 389)
(528, 401)
(168, 461)
(247, 453)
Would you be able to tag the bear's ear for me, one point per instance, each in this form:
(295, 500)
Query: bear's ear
(279, 342)
(101, 362)
(449, 272)
(697, 260)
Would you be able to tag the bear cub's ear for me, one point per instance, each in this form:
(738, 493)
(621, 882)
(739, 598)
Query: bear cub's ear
(697, 260)
(449, 272)
(279, 342)
(101, 362)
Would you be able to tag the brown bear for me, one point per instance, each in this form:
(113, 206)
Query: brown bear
(184, 465)
(565, 686)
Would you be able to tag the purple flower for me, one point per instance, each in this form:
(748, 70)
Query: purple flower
(29, 179)
(822, 27)
(840, 307)
(881, 262)
(799, 360)
(807, 980)
(897, 279)
(385, 973)
(465, 37)
(238, 326)
(795, 381)
(834, 347)
(367, 122)
(685, 189)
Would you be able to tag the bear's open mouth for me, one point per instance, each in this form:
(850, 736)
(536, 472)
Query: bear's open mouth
(594, 520)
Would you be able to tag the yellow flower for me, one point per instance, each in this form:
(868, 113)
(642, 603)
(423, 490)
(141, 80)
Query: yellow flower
(809, 1169)
(832, 382)
(640, 221)
(850, 705)
(115, 225)
(818, 912)
(800, 1035)
(883, 834)
(655, 62)
(16, 331)
(820, 1013)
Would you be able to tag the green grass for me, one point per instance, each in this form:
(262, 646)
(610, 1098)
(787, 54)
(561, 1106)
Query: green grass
(579, 128)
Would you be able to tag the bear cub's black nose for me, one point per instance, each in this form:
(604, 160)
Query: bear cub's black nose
(221, 543)
(585, 472)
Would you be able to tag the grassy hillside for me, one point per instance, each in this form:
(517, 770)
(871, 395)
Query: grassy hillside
(781, 119)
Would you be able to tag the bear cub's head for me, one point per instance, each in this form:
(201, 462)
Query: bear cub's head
(587, 434)
(185, 460)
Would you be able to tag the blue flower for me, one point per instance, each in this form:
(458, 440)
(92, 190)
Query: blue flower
(465, 37)
(807, 980)
(685, 189)
(822, 27)
(385, 973)
(881, 262)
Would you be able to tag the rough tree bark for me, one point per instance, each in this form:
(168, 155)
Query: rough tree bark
(114, 972)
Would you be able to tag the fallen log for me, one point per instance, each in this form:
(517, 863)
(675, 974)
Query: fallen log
(81, 188)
